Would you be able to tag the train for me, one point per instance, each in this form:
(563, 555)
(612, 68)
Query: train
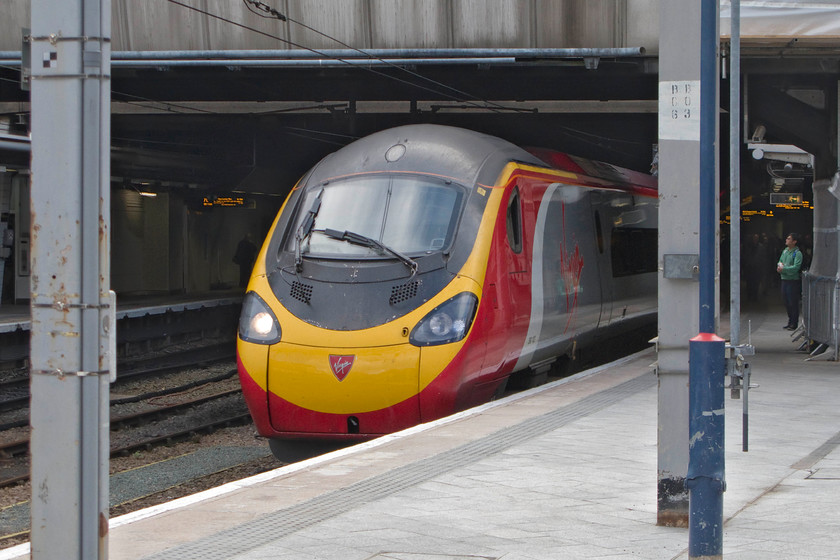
(412, 273)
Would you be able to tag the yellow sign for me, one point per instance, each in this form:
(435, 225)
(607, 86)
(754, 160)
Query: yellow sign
(786, 199)
(225, 201)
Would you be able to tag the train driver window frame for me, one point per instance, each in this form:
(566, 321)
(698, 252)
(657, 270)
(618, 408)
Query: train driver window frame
(599, 232)
(514, 221)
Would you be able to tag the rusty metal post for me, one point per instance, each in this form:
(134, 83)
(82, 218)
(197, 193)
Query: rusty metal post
(70, 280)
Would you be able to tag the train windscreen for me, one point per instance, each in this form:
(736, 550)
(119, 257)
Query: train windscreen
(408, 214)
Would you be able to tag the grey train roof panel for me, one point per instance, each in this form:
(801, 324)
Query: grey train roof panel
(457, 153)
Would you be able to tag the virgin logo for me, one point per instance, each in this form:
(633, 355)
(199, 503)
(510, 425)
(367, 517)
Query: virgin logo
(340, 365)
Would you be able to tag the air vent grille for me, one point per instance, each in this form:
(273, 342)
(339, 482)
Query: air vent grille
(403, 292)
(301, 292)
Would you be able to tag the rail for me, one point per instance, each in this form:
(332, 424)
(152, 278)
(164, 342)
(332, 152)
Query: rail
(19, 448)
(821, 312)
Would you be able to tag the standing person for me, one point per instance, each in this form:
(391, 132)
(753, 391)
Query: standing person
(246, 252)
(790, 263)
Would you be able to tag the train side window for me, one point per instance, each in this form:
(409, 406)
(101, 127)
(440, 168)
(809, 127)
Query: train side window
(514, 221)
(599, 232)
(634, 251)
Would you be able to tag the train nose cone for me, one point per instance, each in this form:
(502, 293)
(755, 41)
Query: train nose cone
(341, 365)
(318, 389)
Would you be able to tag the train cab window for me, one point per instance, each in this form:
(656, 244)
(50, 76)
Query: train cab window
(514, 221)
(408, 214)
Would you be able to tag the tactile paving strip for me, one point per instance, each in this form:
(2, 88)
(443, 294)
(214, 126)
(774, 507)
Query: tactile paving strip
(237, 540)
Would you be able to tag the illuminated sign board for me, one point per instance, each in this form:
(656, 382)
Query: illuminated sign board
(226, 201)
(223, 201)
(786, 199)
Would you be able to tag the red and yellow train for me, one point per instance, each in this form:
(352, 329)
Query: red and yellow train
(411, 273)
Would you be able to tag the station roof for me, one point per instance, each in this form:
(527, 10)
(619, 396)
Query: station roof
(250, 118)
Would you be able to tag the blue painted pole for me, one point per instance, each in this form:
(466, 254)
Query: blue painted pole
(705, 479)
(708, 169)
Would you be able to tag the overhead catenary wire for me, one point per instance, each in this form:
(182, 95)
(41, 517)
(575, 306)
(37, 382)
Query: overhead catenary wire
(141, 101)
(378, 56)
(273, 13)
(9, 79)
(256, 7)
(321, 53)
(137, 100)
(484, 104)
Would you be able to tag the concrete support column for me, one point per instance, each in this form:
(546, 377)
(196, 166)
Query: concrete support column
(70, 209)
(679, 246)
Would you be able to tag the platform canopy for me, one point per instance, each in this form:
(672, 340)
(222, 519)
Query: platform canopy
(772, 22)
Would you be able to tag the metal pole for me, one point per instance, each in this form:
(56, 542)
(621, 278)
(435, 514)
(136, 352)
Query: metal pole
(836, 307)
(325, 57)
(735, 174)
(745, 415)
(708, 193)
(735, 211)
(705, 480)
(70, 280)
(381, 53)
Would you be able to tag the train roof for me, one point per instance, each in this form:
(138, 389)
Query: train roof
(465, 155)
(599, 174)
(457, 153)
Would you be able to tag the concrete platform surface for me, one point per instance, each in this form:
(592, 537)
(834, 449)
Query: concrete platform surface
(567, 470)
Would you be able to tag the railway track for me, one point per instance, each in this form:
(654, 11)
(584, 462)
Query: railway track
(14, 391)
(153, 418)
(176, 384)
(123, 423)
(134, 488)
(127, 427)
(166, 447)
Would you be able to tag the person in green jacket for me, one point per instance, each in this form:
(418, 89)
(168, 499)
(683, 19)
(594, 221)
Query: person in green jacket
(789, 267)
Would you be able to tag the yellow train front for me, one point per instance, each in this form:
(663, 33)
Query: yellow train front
(382, 297)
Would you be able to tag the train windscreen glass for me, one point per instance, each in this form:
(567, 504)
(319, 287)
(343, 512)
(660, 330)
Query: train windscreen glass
(411, 215)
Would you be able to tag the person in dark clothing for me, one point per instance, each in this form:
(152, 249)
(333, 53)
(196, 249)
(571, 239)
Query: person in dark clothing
(246, 252)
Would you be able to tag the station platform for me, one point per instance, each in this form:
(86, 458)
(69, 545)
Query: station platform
(567, 470)
(14, 317)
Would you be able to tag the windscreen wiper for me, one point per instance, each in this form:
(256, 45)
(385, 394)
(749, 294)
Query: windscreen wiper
(363, 241)
(305, 229)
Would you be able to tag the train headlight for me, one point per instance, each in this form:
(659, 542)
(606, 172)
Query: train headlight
(448, 322)
(257, 323)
